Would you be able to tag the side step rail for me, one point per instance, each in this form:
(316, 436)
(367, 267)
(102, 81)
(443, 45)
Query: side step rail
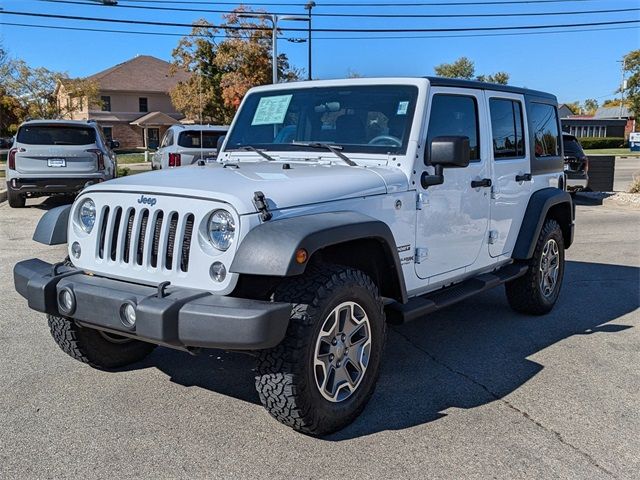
(418, 307)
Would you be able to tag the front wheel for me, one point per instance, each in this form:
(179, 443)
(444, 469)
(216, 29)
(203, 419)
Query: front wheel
(537, 291)
(322, 375)
(101, 350)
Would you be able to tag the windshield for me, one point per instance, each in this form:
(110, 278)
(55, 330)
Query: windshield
(191, 139)
(368, 119)
(56, 135)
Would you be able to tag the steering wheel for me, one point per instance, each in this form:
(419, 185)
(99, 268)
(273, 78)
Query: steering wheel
(388, 140)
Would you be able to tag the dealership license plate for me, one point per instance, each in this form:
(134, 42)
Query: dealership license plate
(57, 162)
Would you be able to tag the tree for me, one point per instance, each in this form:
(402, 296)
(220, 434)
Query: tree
(465, 69)
(575, 108)
(223, 72)
(590, 106)
(632, 90)
(36, 88)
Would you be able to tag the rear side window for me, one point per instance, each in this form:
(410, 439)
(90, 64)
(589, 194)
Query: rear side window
(506, 128)
(56, 135)
(572, 148)
(544, 120)
(199, 139)
(455, 115)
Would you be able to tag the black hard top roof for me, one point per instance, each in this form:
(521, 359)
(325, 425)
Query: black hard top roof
(455, 82)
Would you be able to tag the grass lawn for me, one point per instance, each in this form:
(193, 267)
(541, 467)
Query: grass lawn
(125, 158)
(625, 152)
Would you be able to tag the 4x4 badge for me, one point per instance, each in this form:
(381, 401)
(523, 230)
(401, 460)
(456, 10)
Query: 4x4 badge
(151, 201)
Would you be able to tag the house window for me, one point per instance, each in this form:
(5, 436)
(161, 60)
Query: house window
(507, 127)
(455, 115)
(108, 132)
(143, 104)
(106, 103)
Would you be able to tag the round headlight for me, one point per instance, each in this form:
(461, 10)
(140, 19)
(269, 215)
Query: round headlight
(87, 215)
(221, 229)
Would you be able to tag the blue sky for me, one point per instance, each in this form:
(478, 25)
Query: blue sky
(574, 66)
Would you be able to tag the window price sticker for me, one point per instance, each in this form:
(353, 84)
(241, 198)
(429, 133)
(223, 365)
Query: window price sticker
(271, 110)
(402, 108)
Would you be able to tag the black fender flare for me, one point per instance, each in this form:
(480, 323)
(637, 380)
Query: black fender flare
(270, 248)
(540, 203)
(52, 227)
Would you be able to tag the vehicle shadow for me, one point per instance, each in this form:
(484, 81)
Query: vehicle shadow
(471, 354)
(50, 202)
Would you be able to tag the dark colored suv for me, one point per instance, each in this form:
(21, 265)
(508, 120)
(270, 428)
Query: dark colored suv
(576, 164)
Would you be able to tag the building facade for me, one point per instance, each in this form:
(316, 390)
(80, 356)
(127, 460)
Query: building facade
(606, 122)
(134, 106)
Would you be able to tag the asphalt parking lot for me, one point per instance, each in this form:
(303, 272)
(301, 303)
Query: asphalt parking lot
(476, 391)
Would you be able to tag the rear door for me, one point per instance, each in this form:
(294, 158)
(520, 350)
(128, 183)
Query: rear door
(56, 150)
(511, 169)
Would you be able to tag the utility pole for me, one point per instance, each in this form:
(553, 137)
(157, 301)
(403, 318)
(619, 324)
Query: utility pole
(309, 6)
(623, 63)
(274, 19)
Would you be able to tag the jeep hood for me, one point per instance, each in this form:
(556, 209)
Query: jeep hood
(301, 184)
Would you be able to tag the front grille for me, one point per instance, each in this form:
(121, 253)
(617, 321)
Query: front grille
(144, 238)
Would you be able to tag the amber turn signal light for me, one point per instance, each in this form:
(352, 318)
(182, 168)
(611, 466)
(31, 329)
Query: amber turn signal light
(301, 255)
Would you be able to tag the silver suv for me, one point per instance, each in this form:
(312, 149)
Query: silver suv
(186, 144)
(57, 157)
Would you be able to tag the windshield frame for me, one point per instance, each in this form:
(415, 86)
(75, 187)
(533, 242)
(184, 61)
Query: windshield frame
(250, 104)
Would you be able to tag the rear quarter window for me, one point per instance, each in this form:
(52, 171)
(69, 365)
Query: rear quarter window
(56, 135)
(544, 120)
(199, 139)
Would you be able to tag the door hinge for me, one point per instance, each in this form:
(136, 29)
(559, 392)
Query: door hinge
(421, 255)
(422, 201)
(493, 236)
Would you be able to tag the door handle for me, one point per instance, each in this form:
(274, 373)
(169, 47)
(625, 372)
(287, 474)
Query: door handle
(526, 177)
(485, 182)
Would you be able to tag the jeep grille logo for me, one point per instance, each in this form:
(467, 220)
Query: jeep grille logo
(151, 201)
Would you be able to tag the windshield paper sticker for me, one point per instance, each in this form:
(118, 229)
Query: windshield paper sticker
(402, 108)
(271, 110)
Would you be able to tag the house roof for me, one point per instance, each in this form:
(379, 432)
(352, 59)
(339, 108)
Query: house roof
(155, 119)
(612, 112)
(143, 73)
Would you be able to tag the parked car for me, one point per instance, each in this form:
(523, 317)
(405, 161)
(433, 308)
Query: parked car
(576, 164)
(57, 157)
(384, 201)
(186, 144)
(6, 143)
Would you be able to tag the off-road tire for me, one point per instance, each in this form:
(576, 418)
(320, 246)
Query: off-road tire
(525, 293)
(16, 200)
(285, 381)
(91, 347)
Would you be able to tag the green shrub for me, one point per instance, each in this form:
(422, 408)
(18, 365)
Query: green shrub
(590, 143)
(123, 172)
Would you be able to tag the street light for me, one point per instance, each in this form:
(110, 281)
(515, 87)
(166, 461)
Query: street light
(274, 19)
(309, 6)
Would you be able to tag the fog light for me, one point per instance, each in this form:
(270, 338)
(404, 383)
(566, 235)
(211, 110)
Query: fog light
(66, 301)
(218, 271)
(128, 315)
(76, 250)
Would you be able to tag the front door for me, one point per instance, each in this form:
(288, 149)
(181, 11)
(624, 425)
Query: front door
(153, 138)
(453, 217)
(511, 169)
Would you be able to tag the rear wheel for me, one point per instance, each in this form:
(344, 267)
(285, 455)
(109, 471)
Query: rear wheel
(16, 200)
(322, 375)
(537, 291)
(101, 350)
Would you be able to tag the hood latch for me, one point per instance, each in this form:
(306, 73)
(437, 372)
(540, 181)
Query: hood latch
(261, 205)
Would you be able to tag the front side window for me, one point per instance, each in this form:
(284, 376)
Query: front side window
(455, 115)
(56, 135)
(506, 128)
(143, 104)
(199, 139)
(544, 120)
(167, 139)
(362, 118)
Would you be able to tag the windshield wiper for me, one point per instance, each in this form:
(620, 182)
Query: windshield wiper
(259, 152)
(335, 149)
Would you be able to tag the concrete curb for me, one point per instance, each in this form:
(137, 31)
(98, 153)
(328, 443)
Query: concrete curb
(3, 196)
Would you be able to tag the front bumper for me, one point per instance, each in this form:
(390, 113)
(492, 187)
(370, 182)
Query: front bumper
(178, 318)
(50, 185)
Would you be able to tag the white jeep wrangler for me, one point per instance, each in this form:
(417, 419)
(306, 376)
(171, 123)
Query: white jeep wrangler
(334, 208)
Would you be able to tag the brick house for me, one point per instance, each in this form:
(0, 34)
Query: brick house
(135, 107)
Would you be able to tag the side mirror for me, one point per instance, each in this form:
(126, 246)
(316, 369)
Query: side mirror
(445, 152)
(114, 144)
(221, 140)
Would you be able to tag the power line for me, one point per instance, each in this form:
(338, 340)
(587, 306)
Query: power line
(370, 15)
(364, 4)
(343, 30)
(173, 34)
